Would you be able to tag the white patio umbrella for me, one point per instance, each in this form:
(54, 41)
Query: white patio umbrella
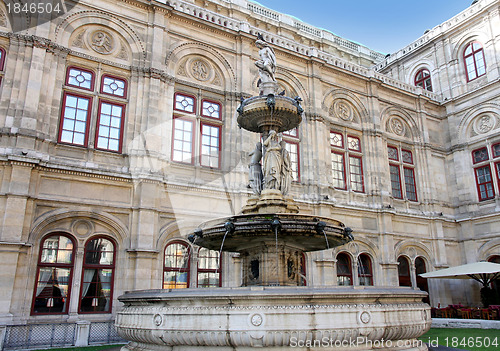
(483, 272)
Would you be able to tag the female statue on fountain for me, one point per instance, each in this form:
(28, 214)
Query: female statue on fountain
(272, 162)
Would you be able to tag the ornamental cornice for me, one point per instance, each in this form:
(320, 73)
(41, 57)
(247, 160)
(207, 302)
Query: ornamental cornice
(78, 173)
(206, 27)
(340, 307)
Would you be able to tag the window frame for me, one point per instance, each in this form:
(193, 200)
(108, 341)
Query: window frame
(70, 266)
(98, 125)
(2, 58)
(349, 265)
(368, 275)
(96, 97)
(92, 83)
(125, 88)
(474, 162)
(212, 102)
(423, 79)
(288, 140)
(62, 118)
(347, 152)
(360, 158)
(403, 165)
(85, 266)
(478, 185)
(193, 131)
(408, 264)
(186, 95)
(208, 270)
(473, 55)
(341, 154)
(198, 120)
(174, 269)
(493, 155)
(219, 147)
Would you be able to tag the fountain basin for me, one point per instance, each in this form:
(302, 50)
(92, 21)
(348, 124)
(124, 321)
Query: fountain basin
(357, 318)
(257, 114)
(304, 232)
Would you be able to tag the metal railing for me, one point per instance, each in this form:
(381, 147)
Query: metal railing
(36, 336)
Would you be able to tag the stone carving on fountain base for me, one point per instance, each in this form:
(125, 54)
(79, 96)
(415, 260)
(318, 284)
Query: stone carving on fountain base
(270, 201)
(357, 318)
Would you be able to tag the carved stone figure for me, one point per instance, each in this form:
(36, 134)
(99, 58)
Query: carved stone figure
(267, 62)
(255, 169)
(273, 162)
(286, 169)
(102, 42)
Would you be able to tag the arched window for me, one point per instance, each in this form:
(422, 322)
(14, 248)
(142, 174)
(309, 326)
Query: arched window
(54, 275)
(475, 65)
(423, 79)
(344, 269)
(421, 282)
(208, 268)
(404, 271)
(97, 278)
(176, 266)
(365, 270)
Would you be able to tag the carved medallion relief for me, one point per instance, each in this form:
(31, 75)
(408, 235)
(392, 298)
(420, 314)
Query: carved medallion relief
(101, 41)
(396, 125)
(343, 110)
(200, 70)
(484, 123)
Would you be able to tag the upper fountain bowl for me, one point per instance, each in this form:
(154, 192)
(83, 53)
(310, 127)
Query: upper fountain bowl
(262, 113)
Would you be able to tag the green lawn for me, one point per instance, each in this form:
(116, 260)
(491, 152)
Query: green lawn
(465, 339)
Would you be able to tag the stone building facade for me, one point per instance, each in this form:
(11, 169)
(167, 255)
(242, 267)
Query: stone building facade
(118, 137)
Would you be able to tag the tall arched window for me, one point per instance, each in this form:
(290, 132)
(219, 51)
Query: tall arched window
(421, 282)
(365, 270)
(404, 271)
(344, 269)
(423, 79)
(54, 275)
(176, 266)
(208, 268)
(475, 65)
(97, 277)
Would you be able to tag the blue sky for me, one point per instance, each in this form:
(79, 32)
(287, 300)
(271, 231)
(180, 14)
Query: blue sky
(385, 26)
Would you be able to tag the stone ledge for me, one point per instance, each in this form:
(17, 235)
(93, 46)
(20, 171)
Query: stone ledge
(464, 323)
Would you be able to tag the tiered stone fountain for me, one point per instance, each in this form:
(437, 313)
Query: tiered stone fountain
(273, 308)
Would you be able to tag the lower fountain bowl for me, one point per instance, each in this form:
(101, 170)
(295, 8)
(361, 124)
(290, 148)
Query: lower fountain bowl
(281, 318)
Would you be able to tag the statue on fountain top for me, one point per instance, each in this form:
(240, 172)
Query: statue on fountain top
(267, 62)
